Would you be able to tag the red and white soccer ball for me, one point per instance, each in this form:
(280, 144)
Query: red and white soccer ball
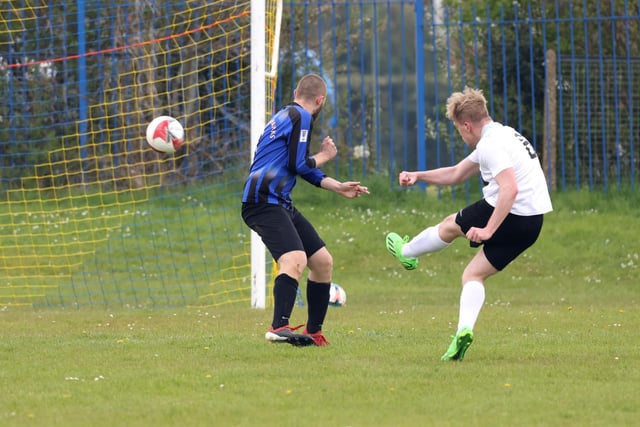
(337, 295)
(165, 134)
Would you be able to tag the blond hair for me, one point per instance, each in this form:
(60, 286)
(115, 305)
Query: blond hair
(310, 87)
(468, 105)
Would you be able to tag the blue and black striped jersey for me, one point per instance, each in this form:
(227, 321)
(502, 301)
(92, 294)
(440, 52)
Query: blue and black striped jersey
(281, 155)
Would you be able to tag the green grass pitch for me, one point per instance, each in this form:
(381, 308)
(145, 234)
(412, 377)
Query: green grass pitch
(556, 344)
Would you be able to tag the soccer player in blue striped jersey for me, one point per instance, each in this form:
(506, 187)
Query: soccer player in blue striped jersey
(283, 154)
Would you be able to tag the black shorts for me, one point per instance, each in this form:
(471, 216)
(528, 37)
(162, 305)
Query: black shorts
(514, 236)
(281, 230)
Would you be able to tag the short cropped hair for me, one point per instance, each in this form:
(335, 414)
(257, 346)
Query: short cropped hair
(310, 87)
(468, 105)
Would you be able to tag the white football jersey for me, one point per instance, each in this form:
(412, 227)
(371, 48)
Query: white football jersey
(502, 147)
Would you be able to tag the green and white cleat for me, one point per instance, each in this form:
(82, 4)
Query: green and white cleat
(459, 345)
(394, 245)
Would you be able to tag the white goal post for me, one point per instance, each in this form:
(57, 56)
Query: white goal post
(259, 76)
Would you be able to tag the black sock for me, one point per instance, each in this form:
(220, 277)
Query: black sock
(285, 289)
(318, 302)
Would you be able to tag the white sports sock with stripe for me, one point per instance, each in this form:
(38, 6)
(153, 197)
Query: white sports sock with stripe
(471, 301)
(427, 241)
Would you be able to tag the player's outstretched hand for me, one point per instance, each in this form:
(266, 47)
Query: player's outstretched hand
(407, 179)
(352, 189)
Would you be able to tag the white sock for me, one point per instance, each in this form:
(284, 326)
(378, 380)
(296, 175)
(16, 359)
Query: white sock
(471, 301)
(427, 241)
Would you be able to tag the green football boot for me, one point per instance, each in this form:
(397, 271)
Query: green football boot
(394, 245)
(459, 345)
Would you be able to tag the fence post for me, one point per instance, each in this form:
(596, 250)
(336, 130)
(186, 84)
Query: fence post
(550, 146)
(420, 99)
(83, 109)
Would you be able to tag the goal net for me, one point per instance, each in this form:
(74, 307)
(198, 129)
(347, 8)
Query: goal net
(89, 214)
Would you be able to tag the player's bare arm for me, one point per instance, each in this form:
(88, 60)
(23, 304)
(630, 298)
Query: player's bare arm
(442, 176)
(508, 190)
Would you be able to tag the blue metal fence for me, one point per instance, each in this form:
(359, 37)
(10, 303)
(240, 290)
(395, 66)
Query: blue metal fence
(566, 74)
(562, 73)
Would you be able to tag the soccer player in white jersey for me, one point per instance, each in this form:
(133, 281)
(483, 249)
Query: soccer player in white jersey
(503, 224)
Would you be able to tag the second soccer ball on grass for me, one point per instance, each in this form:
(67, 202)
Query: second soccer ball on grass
(337, 295)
